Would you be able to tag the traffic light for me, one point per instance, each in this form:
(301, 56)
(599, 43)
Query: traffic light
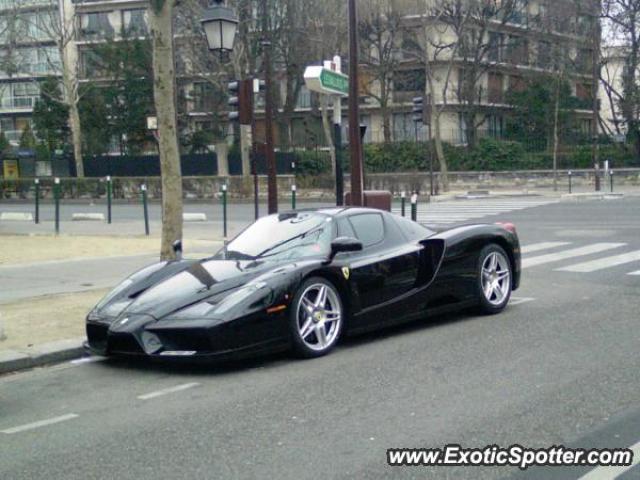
(418, 109)
(421, 109)
(240, 97)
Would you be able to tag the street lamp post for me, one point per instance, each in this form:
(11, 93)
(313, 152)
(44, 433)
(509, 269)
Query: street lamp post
(272, 183)
(354, 117)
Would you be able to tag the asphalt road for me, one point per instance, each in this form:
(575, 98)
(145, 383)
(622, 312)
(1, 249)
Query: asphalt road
(560, 367)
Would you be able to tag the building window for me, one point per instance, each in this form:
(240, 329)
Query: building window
(462, 130)
(92, 65)
(404, 128)
(134, 22)
(544, 54)
(496, 87)
(584, 60)
(495, 126)
(496, 43)
(518, 50)
(203, 97)
(517, 83)
(95, 26)
(304, 98)
(409, 81)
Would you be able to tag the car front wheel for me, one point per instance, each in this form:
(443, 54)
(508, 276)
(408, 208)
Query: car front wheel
(494, 279)
(317, 317)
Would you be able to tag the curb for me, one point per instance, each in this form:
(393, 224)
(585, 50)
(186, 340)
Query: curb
(39, 355)
(591, 196)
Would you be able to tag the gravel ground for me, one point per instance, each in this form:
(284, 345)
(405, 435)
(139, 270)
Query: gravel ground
(22, 249)
(46, 319)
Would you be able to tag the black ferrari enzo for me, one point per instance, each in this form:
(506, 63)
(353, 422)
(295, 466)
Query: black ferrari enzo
(303, 279)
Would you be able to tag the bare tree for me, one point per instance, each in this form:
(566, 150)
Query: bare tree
(438, 53)
(380, 31)
(61, 27)
(161, 26)
(621, 20)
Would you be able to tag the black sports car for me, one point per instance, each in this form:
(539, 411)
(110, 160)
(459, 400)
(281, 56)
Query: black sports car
(303, 279)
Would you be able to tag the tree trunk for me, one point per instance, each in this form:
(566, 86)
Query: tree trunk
(436, 132)
(160, 22)
(442, 161)
(74, 119)
(76, 138)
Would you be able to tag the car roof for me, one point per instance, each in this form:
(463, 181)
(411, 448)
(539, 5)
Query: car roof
(336, 211)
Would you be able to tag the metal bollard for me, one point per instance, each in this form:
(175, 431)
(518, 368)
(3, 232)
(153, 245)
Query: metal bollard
(145, 207)
(597, 175)
(570, 173)
(293, 197)
(611, 178)
(414, 207)
(56, 196)
(37, 192)
(403, 203)
(224, 211)
(109, 193)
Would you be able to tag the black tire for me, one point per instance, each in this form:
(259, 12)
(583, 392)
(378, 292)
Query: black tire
(307, 349)
(498, 298)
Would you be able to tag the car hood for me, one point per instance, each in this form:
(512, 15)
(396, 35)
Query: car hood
(202, 280)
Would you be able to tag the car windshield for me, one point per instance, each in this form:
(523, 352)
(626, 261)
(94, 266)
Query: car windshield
(291, 236)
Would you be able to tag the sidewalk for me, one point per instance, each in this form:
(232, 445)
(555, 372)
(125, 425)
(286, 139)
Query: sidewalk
(49, 284)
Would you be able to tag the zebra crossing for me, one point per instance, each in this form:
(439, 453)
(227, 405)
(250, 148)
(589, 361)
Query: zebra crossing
(460, 211)
(554, 253)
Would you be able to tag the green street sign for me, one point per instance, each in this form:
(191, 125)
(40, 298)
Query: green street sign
(338, 82)
(323, 80)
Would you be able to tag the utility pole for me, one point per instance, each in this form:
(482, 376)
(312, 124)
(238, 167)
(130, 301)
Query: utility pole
(354, 116)
(268, 120)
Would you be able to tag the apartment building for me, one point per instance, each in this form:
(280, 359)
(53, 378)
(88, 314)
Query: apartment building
(28, 53)
(536, 37)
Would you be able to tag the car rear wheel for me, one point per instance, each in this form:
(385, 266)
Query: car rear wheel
(317, 317)
(494, 279)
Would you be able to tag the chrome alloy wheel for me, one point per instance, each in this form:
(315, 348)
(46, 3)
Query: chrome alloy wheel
(496, 278)
(319, 316)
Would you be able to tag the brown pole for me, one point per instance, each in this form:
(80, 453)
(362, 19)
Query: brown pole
(354, 115)
(271, 156)
(595, 82)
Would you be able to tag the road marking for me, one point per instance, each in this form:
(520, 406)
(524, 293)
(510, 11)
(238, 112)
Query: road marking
(635, 273)
(41, 423)
(610, 473)
(602, 263)
(167, 391)
(575, 252)
(536, 247)
(520, 300)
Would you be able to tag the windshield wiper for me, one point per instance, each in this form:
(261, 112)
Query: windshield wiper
(302, 235)
(235, 255)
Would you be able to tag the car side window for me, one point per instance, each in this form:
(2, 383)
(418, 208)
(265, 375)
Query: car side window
(369, 228)
(345, 229)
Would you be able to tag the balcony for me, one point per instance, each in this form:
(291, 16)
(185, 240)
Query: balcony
(12, 104)
(15, 4)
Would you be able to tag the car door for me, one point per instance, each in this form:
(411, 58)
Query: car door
(387, 267)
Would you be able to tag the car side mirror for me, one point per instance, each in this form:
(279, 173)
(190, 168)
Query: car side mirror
(177, 249)
(344, 244)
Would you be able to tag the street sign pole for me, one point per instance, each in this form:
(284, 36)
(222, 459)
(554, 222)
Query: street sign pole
(37, 216)
(354, 112)
(329, 80)
(56, 196)
(109, 194)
